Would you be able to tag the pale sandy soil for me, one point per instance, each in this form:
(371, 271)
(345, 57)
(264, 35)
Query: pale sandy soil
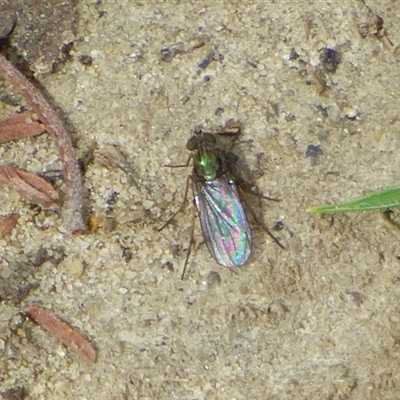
(320, 320)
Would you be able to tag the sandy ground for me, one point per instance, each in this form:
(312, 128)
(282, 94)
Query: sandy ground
(319, 320)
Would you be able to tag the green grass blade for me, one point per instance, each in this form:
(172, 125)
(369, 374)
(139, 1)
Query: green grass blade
(380, 200)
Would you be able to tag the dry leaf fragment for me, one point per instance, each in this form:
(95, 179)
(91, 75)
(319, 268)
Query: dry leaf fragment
(7, 223)
(20, 126)
(32, 187)
(62, 331)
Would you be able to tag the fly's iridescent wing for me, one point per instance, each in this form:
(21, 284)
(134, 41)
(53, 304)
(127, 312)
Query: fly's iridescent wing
(223, 221)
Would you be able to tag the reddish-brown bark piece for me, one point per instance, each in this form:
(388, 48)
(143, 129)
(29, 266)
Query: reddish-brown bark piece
(62, 331)
(73, 202)
(32, 187)
(20, 126)
(7, 223)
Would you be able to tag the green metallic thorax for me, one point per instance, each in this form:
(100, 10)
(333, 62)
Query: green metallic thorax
(207, 162)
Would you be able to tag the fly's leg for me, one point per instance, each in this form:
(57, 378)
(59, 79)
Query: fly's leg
(255, 217)
(230, 160)
(180, 165)
(245, 187)
(184, 197)
(181, 207)
(191, 241)
(248, 188)
(231, 131)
